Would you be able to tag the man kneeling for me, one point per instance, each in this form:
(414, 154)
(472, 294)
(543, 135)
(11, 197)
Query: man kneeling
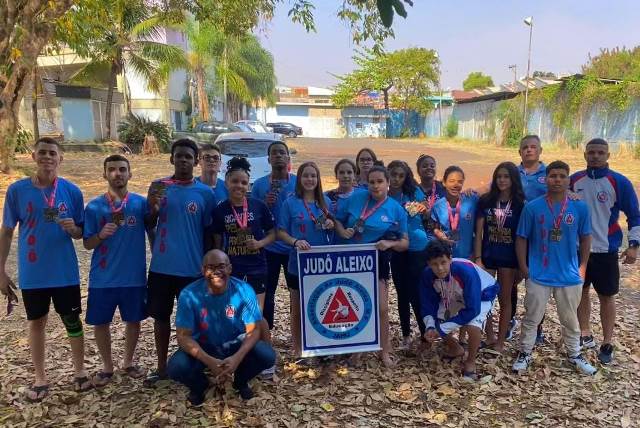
(218, 328)
(455, 293)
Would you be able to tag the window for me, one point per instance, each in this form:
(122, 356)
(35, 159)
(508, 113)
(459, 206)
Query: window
(359, 125)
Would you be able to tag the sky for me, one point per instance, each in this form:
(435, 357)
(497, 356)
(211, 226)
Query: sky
(469, 35)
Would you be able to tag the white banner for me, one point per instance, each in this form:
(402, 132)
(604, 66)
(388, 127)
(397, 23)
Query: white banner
(339, 299)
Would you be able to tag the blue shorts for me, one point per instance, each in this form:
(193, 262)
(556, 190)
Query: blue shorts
(102, 303)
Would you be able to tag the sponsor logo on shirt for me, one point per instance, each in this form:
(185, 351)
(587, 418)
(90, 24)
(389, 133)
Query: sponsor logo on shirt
(603, 196)
(131, 220)
(192, 207)
(569, 218)
(384, 218)
(468, 216)
(62, 207)
(230, 311)
(541, 179)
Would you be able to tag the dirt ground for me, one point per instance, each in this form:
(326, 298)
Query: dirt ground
(421, 391)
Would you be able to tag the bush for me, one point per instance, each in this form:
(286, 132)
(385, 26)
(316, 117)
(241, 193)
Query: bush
(24, 140)
(451, 129)
(133, 129)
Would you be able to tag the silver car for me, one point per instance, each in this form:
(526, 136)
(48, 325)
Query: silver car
(253, 126)
(250, 145)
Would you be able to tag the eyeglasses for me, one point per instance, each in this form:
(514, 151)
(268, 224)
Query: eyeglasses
(216, 268)
(211, 158)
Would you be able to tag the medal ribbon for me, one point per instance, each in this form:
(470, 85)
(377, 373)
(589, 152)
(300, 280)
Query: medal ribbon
(51, 200)
(242, 220)
(431, 199)
(171, 181)
(311, 216)
(557, 220)
(111, 201)
(501, 213)
(365, 213)
(449, 293)
(454, 220)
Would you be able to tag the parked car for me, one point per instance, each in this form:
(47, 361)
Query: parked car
(206, 132)
(286, 128)
(253, 126)
(250, 145)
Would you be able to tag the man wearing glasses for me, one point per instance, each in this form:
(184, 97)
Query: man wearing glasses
(210, 162)
(218, 328)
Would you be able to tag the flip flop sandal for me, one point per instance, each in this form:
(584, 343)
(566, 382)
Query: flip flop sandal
(102, 379)
(135, 372)
(80, 384)
(472, 376)
(41, 393)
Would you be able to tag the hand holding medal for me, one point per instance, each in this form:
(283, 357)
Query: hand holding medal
(414, 208)
(157, 192)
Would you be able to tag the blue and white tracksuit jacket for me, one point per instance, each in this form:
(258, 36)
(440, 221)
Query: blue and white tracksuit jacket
(606, 193)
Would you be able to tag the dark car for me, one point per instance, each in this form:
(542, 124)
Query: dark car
(286, 128)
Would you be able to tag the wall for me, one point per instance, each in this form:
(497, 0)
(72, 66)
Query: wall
(360, 122)
(316, 121)
(432, 121)
(396, 123)
(77, 119)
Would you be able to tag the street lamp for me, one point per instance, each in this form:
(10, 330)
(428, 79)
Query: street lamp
(528, 21)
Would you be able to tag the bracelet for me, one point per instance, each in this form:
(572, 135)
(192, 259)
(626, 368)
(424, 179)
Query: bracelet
(295, 242)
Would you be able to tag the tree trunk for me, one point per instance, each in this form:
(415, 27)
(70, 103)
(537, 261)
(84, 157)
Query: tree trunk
(203, 99)
(34, 104)
(8, 128)
(107, 111)
(225, 110)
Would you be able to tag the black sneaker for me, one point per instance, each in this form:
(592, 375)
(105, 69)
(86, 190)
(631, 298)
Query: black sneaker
(606, 353)
(245, 391)
(196, 399)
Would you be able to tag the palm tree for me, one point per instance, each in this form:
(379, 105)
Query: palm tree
(129, 42)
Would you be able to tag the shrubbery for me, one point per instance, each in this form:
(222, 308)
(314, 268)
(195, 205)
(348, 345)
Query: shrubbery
(133, 129)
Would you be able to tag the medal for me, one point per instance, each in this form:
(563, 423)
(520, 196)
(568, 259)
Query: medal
(117, 214)
(431, 199)
(365, 214)
(556, 233)
(317, 221)
(158, 190)
(51, 214)
(454, 220)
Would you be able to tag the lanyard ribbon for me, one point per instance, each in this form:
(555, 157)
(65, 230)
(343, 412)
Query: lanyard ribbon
(242, 220)
(454, 219)
(557, 220)
(365, 213)
(449, 293)
(112, 202)
(502, 213)
(431, 199)
(171, 181)
(51, 200)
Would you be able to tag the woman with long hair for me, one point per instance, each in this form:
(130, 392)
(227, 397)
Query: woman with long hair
(455, 214)
(498, 214)
(373, 217)
(305, 222)
(407, 266)
(242, 227)
(365, 160)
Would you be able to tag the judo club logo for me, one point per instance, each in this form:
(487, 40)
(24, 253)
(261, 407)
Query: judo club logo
(339, 308)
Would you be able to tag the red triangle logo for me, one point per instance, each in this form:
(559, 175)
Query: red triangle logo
(340, 310)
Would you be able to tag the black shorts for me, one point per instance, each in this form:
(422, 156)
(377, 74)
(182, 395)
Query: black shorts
(603, 272)
(495, 264)
(66, 301)
(384, 258)
(162, 290)
(294, 283)
(258, 282)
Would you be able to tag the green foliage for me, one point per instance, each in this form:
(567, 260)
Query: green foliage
(133, 129)
(616, 63)
(573, 137)
(509, 115)
(451, 129)
(372, 74)
(477, 80)
(23, 140)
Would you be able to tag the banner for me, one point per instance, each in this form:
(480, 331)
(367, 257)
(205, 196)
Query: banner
(339, 299)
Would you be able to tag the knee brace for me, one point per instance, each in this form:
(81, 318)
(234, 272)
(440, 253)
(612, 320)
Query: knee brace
(73, 325)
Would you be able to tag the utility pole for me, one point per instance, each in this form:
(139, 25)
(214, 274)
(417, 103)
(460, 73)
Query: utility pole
(514, 68)
(529, 21)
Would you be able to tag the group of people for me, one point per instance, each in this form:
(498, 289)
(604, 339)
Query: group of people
(218, 247)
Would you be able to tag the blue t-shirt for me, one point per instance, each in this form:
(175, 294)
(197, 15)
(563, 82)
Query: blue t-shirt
(534, 184)
(284, 189)
(215, 319)
(121, 259)
(220, 191)
(554, 263)
(498, 242)
(46, 255)
(244, 260)
(295, 220)
(418, 238)
(389, 221)
(466, 225)
(185, 212)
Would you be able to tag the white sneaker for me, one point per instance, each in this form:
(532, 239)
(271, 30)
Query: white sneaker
(582, 365)
(268, 373)
(587, 342)
(522, 363)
